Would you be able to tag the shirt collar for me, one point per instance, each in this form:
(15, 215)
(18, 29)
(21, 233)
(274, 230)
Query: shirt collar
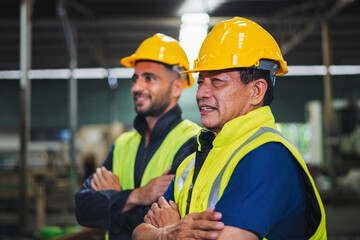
(245, 125)
(163, 126)
(205, 139)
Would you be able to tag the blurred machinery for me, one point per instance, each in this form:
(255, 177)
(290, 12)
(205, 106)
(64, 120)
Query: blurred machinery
(346, 147)
(336, 157)
(94, 144)
(49, 190)
(47, 179)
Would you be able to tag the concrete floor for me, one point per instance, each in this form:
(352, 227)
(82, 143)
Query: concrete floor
(342, 218)
(343, 221)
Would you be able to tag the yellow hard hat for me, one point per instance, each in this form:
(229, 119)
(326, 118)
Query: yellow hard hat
(164, 49)
(238, 43)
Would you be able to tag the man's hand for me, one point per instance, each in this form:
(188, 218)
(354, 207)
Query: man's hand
(162, 213)
(151, 191)
(203, 225)
(104, 179)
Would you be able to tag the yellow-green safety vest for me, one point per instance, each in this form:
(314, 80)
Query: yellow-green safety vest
(237, 138)
(126, 147)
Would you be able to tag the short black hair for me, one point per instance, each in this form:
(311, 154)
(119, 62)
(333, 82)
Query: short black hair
(248, 75)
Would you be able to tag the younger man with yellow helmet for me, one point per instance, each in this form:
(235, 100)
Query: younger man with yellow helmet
(244, 169)
(141, 164)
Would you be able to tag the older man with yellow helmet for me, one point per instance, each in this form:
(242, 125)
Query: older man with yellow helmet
(141, 163)
(246, 181)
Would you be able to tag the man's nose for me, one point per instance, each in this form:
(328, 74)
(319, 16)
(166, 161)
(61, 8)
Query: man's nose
(139, 85)
(203, 91)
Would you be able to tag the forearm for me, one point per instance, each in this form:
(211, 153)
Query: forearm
(146, 232)
(235, 233)
(91, 209)
(132, 201)
(135, 199)
(100, 209)
(149, 193)
(133, 218)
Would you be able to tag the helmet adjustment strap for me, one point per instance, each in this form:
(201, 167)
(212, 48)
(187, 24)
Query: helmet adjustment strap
(269, 65)
(178, 69)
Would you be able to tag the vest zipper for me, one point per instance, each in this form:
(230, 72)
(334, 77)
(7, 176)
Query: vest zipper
(142, 166)
(188, 200)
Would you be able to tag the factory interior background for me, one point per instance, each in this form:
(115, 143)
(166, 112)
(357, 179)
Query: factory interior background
(65, 97)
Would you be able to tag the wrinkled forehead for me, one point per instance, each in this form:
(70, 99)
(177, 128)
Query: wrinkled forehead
(233, 73)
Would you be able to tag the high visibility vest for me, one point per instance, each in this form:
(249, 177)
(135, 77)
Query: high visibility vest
(126, 147)
(255, 129)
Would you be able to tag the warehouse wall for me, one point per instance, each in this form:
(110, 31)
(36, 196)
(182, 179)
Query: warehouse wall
(292, 93)
(50, 100)
(50, 103)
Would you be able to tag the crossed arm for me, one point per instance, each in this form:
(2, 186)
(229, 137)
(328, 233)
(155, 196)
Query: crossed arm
(104, 179)
(163, 222)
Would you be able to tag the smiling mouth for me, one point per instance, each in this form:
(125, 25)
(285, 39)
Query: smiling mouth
(206, 109)
(140, 98)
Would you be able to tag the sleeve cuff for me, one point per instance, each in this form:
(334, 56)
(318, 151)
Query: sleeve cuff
(116, 202)
(243, 223)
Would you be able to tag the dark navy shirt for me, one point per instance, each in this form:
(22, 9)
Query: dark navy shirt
(265, 194)
(101, 209)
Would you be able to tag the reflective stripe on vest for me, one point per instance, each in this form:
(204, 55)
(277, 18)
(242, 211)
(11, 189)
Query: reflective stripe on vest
(215, 189)
(214, 193)
(182, 178)
(315, 215)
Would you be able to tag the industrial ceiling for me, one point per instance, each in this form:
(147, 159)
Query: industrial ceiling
(107, 30)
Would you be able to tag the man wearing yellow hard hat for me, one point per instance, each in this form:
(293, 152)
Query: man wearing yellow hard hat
(246, 181)
(141, 163)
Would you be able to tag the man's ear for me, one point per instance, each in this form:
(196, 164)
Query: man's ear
(259, 88)
(177, 87)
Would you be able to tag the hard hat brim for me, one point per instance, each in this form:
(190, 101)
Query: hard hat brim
(130, 61)
(282, 70)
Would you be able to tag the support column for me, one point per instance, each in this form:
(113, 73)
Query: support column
(328, 104)
(71, 46)
(73, 106)
(25, 113)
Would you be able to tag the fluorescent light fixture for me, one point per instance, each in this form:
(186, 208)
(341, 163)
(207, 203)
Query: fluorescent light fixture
(306, 71)
(344, 70)
(126, 73)
(190, 6)
(121, 72)
(49, 74)
(79, 73)
(13, 74)
(193, 31)
(195, 18)
(320, 70)
(90, 73)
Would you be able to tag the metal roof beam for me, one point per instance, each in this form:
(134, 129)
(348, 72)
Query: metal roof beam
(311, 26)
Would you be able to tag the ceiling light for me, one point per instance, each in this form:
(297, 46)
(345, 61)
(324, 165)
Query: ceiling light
(193, 31)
